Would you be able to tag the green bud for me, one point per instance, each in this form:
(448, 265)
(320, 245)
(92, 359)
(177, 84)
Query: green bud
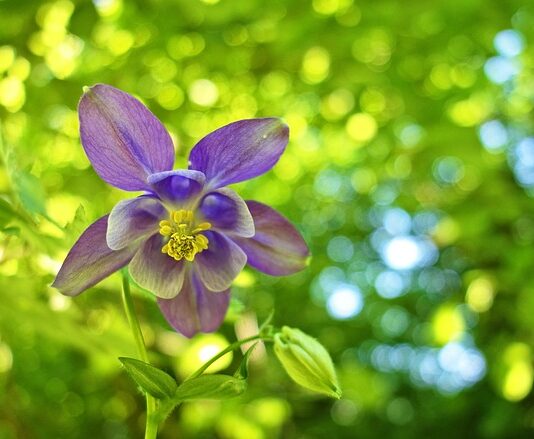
(306, 361)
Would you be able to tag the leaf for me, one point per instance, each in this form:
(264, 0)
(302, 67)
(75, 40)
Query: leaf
(7, 213)
(30, 192)
(210, 387)
(242, 371)
(75, 228)
(11, 231)
(151, 379)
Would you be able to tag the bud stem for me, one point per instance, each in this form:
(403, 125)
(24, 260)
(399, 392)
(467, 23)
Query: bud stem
(230, 348)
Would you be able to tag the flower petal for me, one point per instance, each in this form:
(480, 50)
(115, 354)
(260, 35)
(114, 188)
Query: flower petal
(124, 141)
(156, 271)
(177, 187)
(219, 265)
(90, 260)
(277, 248)
(195, 309)
(226, 211)
(133, 219)
(240, 150)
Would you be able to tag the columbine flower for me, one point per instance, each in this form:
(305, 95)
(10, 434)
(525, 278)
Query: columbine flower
(188, 236)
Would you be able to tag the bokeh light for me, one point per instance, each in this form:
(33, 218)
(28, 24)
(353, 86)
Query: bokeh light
(345, 302)
(410, 172)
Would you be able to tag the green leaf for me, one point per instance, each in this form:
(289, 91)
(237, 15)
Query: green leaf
(78, 224)
(11, 231)
(151, 379)
(242, 371)
(7, 213)
(210, 387)
(30, 192)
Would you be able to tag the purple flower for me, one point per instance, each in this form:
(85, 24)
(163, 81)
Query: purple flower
(188, 236)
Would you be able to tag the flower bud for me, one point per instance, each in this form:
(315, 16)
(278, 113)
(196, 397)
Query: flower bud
(306, 361)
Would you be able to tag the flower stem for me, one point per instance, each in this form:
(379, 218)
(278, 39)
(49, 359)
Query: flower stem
(151, 430)
(230, 348)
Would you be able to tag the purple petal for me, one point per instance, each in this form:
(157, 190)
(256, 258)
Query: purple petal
(156, 271)
(195, 309)
(219, 265)
(179, 186)
(90, 260)
(277, 247)
(226, 211)
(124, 141)
(240, 150)
(133, 219)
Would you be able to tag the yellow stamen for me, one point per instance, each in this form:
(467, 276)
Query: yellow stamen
(166, 230)
(185, 238)
(201, 227)
(202, 241)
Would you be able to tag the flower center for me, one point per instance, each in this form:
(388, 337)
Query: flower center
(185, 239)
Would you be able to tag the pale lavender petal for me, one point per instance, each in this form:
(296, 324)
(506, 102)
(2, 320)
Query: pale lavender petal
(195, 309)
(219, 265)
(277, 248)
(90, 260)
(239, 151)
(133, 219)
(156, 271)
(227, 212)
(124, 141)
(177, 187)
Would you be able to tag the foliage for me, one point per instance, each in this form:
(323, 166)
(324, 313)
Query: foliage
(410, 172)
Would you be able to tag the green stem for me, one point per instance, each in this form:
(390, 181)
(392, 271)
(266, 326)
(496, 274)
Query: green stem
(230, 348)
(166, 407)
(151, 430)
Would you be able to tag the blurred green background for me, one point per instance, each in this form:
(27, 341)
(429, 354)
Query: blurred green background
(410, 171)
